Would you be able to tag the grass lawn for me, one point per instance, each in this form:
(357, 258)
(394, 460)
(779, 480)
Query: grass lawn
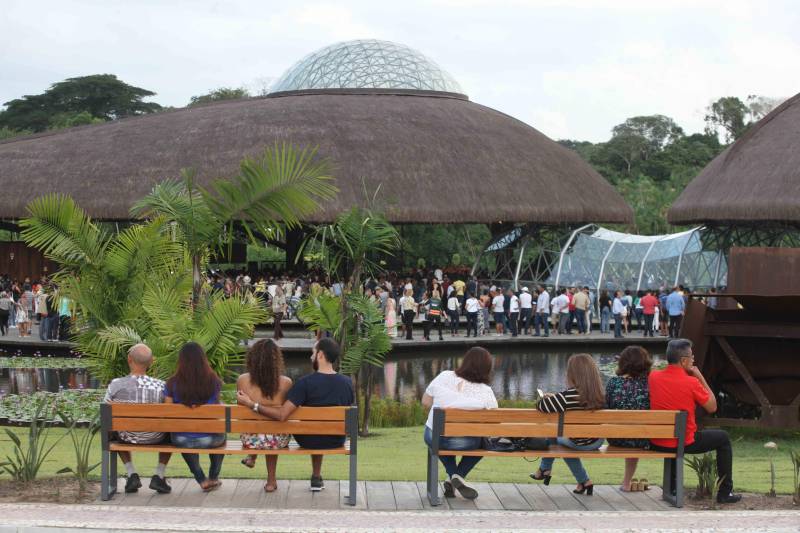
(399, 454)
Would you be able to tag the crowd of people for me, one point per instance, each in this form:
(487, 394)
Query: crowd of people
(33, 302)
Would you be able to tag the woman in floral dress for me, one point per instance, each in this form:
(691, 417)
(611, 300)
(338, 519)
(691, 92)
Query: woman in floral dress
(628, 390)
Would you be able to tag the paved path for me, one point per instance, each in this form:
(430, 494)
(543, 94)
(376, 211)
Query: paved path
(302, 341)
(44, 518)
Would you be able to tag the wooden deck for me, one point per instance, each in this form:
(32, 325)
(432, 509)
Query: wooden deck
(390, 496)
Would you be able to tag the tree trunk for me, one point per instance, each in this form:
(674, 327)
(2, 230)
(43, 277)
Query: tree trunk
(197, 281)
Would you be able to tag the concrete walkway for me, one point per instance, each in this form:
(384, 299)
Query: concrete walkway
(45, 518)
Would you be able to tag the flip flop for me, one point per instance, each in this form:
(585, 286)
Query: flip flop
(270, 488)
(248, 463)
(214, 485)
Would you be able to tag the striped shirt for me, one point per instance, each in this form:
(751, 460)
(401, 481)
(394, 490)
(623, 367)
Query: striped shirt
(568, 400)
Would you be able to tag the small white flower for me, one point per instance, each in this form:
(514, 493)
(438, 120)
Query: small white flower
(771, 445)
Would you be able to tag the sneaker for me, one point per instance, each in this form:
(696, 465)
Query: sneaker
(448, 490)
(133, 484)
(317, 484)
(159, 484)
(461, 486)
(728, 498)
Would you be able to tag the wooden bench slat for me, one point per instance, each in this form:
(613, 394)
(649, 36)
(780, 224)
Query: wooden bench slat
(618, 431)
(459, 429)
(289, 427)
(321, 414)
(606, 452)
(605, 416)
(166, 410)
(166, 425)
(232, 447)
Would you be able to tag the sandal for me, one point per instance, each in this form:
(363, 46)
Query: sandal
(542, 475)
(644, 484)
(635, 487)
(249, 461)
(212, 485)
(270, 488)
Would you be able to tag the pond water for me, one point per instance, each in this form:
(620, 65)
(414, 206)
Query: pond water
(30, 380)
(517, 373)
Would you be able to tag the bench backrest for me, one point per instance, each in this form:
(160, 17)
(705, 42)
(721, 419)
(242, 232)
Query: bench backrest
(225, 419)
(572, 424)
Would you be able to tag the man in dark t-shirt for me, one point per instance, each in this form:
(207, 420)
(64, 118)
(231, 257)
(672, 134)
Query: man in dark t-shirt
(323, 388)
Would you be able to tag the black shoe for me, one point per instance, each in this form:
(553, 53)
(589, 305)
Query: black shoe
(159, 484)
(542, 476)
(448, 490)
(728, 498)
(133, 484)
(317, 484)
(465, 490)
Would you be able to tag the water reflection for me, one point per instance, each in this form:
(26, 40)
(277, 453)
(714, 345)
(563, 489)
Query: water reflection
(517, 374)
(30, 380)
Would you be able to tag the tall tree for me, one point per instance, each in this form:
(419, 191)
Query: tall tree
(102, 96)
(223, 93)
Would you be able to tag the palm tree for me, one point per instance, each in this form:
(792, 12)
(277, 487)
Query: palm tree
(144, 284)
(351, 246)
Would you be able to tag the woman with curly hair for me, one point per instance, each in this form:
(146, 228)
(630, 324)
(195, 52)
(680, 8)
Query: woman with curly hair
(266, 384)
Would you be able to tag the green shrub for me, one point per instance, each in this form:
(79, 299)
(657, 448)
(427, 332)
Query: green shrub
(706, 469)
(27, 460)
(386, 413)
(82, 444)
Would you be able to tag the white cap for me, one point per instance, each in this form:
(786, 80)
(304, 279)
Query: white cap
(246, 279)
(524, 289)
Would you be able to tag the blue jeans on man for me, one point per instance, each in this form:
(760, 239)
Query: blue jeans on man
(467, 463)
(617, 325)
(539, 319)
(580, 316)
(44, 328)
(574, 464)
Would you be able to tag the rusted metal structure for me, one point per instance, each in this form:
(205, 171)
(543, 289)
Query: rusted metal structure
(749, 345)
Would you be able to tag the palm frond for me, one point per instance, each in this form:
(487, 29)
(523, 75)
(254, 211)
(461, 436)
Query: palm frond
(143, 249)
(62, 231)
(107, 350)
(321, 312)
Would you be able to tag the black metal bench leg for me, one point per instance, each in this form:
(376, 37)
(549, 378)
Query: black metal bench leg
(667, 484)
(433, 479)
(108, 475)
(351, 498)
(678, 482)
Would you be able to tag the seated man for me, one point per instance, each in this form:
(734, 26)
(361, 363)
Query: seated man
(323, 388)
(138, 387)
(681, 387)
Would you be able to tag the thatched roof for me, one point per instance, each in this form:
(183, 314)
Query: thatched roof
(438, 158)
(757, 179)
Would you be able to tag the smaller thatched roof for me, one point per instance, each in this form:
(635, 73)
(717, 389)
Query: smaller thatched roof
(757, 179)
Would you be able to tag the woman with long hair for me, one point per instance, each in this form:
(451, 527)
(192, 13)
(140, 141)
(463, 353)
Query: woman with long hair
(629, 390)
(265, 383)
(195, 383)
(391, 316)
(585, 392)
(468, 387)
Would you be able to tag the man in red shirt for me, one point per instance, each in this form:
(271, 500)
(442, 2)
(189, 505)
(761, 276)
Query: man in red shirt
(682, 387)
(649, 304)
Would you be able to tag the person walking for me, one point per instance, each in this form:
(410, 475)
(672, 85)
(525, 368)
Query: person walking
(472, 306)
(391, 317)
(423, 309)
(435, 311)
(278, 310)
(499, 313)
(581, 303)
(604, 302)
(453, 306)
(649, 305)
(6, 303)
(513, 312)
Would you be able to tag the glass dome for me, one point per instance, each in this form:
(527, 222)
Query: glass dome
(366, 64)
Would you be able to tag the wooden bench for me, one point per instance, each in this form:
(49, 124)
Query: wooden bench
(572, 424)
(168, 418)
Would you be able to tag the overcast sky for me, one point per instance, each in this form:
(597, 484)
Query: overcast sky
(572, 69)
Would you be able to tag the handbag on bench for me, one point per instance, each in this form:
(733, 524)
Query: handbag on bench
(514, 444)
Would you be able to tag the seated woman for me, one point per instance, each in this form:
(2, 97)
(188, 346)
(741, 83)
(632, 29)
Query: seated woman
(629, 390)
(585, 392)
(195, 383)
(265, 384)
(465, 388)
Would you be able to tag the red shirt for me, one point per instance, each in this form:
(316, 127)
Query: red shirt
(649, 304)
(672, 389)
(571, 306)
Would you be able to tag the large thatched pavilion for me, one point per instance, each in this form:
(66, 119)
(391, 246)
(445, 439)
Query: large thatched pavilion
(382, 113)
(748, 198)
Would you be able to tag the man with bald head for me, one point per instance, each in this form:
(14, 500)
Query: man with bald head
(138, 387)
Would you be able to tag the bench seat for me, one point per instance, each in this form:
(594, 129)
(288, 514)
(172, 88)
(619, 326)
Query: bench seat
(232, 447)
(605, 452)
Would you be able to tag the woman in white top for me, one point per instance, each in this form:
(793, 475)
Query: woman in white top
(465, 388)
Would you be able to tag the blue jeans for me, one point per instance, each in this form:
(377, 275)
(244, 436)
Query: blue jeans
(575, 465)
(605, 319)
(456, 443)
(580, 316)
(212, 440)
(541, 319)
(617, 325)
